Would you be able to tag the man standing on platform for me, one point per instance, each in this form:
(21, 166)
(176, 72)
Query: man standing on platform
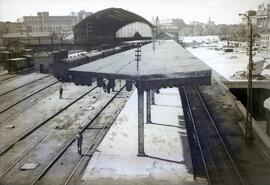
(108, 87)
(104, 85)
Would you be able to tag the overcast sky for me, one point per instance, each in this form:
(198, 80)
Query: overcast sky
(221, 11)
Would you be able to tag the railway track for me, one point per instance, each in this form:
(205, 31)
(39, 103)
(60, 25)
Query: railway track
(24, 105)
(5, 77)
(26, 97)
(85, 128)
(219, 166)
(3, 73)
(28, 132)
(90, 150)
(9, 91)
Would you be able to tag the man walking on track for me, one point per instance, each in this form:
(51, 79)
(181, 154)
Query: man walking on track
(79, 139)
(60, 92)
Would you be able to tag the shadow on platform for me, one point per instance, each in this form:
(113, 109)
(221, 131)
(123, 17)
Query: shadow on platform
(166, 105)
(67, 98)
(166, 160)
(166, 125)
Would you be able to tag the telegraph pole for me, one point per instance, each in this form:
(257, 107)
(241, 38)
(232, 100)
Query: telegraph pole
(138, 55)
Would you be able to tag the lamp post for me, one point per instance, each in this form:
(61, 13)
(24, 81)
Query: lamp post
(249, 114)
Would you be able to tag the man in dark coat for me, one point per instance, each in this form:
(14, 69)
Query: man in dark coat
(79, 139)
(60, 92)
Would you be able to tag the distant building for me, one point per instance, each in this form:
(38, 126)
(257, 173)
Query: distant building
(168, 26)
(263, 17)
(11, 27)
(263, 27)
(18, 41)
(60, 25)
(210, 22)
(111, 26)
(195, 28)
(171, 27)
(265, 43)
(83, 14)
(43, 62)
(210, 27)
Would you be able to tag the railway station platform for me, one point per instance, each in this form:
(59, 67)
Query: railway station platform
(149, 68)
(223, 66)
(167, 157)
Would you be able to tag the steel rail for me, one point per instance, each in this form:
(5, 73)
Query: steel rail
(74, 138)
(197, 137)
(43, 88)
(220, 137)
(24, 85)
(28, 132)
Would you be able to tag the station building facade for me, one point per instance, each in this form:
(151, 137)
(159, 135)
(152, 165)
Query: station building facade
(265, 43)
(12, 27)
(263, 25)
(111, 26)
(263, 17)
(43, 22)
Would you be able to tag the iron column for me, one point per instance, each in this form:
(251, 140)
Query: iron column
(140, 119)
(148, 106)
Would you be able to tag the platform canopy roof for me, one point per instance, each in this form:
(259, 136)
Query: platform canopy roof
(168, 65)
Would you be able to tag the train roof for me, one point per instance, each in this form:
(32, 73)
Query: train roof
(16, 59)
(136, 42)
(27, 49)
(94, 53)
(71, 59)
(27, 56)
(3, 48)
(5, 52)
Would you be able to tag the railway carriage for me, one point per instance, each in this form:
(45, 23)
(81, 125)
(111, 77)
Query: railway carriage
(15, 61)
(4, 55)
(61, 66)
(16, 65)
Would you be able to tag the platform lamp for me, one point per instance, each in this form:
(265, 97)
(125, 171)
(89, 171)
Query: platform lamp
(249, 114)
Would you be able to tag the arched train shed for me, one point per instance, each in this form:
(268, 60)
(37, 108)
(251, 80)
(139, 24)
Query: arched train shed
(112, 26)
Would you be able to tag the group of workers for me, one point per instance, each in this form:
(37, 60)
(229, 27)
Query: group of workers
(107, 87)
